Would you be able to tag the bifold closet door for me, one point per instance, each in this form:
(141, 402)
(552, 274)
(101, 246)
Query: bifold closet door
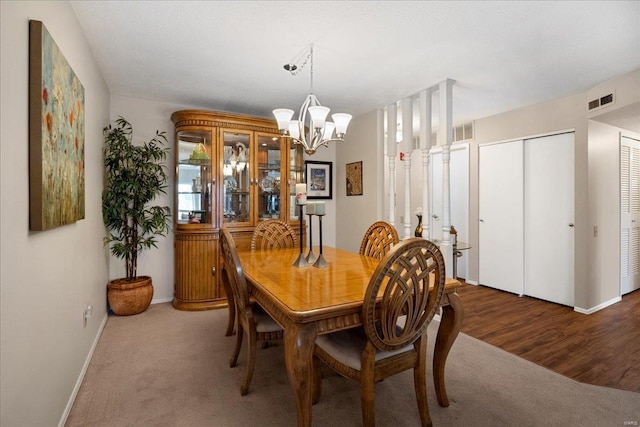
(548, 218)
(629, 215)
(501, 216)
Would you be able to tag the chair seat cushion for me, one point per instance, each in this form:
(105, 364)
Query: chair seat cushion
(264, 322)
(347, 347)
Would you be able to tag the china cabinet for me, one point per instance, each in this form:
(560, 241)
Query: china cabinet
(230, 170)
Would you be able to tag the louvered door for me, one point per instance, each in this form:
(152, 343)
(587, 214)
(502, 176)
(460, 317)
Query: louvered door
(629, 215)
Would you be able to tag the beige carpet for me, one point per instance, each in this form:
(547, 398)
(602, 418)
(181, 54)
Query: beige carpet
(170, 368)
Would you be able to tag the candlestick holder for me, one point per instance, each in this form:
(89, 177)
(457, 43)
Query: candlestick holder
(301, 261)
(320, 262)
(311, 257)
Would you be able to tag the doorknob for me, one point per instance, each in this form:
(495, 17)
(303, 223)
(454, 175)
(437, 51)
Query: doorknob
(571, 225)
(482, 220)
(435, 216)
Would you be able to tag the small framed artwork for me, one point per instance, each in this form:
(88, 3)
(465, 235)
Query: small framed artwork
(319, 179)
(354, 179)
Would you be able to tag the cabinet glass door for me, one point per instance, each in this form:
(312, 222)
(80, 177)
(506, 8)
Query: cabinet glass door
(237, 178)
(193, 180)
(269, 163)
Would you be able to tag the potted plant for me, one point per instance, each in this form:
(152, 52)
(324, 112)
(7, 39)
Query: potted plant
(134, 176)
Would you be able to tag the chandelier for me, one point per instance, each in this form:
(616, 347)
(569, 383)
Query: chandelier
(311, 129)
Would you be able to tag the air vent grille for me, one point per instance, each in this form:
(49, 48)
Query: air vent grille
(606, 99)
(463, 132)
(600, 102)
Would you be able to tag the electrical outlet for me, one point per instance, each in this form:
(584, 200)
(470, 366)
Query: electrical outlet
(86, 314)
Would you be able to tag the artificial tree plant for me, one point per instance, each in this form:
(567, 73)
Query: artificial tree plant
(134, 176)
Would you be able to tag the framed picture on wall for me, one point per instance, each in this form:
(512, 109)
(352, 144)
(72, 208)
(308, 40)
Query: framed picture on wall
(319, 179)
(354, 179)
(56, 135)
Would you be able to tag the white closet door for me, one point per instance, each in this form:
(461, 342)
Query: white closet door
(501, 216)
(548, 218)
(629, 215)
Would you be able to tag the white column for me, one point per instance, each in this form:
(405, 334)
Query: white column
(380, 162)
(445, 137)
(392, 126)
(407, 147)
(425, 145)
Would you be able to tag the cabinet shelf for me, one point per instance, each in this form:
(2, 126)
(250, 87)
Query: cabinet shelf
(198, 162)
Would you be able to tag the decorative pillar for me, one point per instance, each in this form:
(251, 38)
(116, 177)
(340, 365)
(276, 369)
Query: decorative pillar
(407, 147)
(392, 125)
(425, 145)
(380, 164)
(445, 137)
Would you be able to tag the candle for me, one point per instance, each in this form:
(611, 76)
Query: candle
(311, 208)
(319, 208)
(301, 194)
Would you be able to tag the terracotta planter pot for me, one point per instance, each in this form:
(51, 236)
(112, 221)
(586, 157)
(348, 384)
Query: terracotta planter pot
(128, 297)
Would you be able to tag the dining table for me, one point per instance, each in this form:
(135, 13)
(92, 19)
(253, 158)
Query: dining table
(309, 301)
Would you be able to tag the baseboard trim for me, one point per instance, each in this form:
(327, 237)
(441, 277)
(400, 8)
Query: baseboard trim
(597, 307)
(471, 282)
(161, 300)
(76, 388)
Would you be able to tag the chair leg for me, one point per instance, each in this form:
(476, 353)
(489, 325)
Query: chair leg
(367, 402)
(251, 363)
(420, 382)
(367, 371)
(419, 379)
(232, 320)
(236, 351)
(317, 381)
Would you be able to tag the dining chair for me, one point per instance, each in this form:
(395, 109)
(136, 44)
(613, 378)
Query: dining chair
(402, 297)
(273, 234)
(269, 234)
(378, 239)
(251, 318)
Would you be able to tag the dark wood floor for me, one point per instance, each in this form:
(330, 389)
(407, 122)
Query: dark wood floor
(602, 348)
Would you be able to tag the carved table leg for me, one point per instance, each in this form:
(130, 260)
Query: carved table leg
(450, 326)
(298, 344)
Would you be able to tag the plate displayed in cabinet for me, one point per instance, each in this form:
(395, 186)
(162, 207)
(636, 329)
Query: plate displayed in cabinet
(230, 183)
(267, 184)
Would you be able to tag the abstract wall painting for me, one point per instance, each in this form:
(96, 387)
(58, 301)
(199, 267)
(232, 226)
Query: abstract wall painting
(56, 135)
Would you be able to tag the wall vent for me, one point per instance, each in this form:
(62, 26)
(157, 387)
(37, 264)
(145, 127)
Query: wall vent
(463, 132)
(600, 102)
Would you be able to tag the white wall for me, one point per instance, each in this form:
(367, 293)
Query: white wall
(356, 213)
(49, 277)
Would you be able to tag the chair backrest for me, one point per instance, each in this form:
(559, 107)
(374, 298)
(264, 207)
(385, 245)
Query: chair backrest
(409, 281)
(233, 270)
(273, 234)
(378, 239)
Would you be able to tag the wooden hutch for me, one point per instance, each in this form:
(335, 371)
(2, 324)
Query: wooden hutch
(231, 170)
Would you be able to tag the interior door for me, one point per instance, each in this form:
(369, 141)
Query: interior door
(548, 218)
(629, 215)
(459, 196)
(501, 216)
(435, 167)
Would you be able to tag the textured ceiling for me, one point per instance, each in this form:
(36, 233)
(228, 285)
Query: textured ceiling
(229, 55)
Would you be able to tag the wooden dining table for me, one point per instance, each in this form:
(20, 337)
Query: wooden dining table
(310, 301)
